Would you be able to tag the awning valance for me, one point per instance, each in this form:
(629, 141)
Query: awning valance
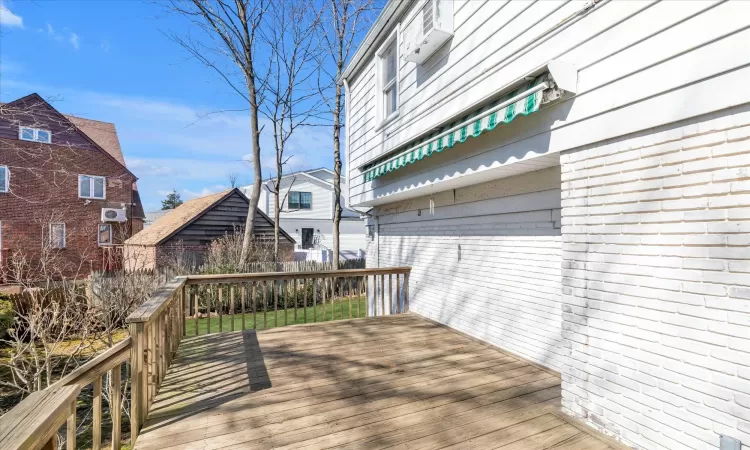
(522, 101)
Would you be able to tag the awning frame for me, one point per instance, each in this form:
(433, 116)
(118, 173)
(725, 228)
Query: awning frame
(560, 76)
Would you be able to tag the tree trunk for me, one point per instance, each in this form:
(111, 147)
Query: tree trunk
(277, 213)
(336, 176)
(257, 176)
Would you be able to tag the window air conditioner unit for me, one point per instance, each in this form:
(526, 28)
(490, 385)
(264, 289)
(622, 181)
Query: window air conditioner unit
(428, 30)
(113, 215)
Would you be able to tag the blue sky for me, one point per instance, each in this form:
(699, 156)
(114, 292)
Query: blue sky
(109, 60)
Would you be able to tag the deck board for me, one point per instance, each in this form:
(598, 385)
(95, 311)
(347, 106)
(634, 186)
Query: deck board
(396, 382)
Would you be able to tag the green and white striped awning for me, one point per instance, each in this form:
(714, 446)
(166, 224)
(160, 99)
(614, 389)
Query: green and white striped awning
(522, 101)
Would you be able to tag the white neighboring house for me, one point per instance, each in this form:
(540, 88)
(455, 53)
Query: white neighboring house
(307, 215)
(570, 181)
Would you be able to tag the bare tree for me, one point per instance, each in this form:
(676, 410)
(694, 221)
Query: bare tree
(233, 178)
(292, 100)
(340, 28)
(230, 34)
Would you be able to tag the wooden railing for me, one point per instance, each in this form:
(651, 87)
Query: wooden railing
(218, 303)
(35, 422)
(185, 307)
(156, 329)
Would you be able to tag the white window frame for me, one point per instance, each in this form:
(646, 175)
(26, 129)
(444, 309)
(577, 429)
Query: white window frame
(393, 39)
(111, 236)
(5, 188)
(299, 204)
(91, 187)
(64, 235)
(36, 134)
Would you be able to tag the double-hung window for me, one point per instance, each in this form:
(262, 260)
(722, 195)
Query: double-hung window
(57, 235)
(300, 200)
(90, 186)
(34, 135)
(4, 179)
(388, 77)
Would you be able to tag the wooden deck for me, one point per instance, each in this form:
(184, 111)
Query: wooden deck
(395, 382)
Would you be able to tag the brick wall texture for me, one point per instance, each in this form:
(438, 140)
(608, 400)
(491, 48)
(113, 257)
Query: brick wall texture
(44, 189)
(656, 284)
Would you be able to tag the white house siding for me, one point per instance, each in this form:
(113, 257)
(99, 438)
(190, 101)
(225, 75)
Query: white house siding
(656, 283)
(322, 199)
(486, 261)
(641, 64)
(351, 232)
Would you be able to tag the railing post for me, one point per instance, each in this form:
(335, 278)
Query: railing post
(115, 405)
(137, 406)
(184, 303)
(406, 291)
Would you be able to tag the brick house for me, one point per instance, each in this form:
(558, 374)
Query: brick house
(57, 174)
(188, 230)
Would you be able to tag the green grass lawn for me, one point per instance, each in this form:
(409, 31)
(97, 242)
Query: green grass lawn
(285, 317)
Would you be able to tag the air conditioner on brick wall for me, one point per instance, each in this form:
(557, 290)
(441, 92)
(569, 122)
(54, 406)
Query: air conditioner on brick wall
(428, 30)
(113, 215)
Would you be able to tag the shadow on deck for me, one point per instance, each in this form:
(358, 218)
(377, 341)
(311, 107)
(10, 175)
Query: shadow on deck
(395, 381)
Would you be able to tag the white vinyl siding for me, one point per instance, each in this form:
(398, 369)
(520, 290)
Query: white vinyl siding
(4, 179)
(92, 187)
(635, 59)
(490, 268)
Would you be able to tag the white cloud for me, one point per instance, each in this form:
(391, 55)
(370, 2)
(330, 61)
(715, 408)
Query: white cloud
(170, 144)
(74, 40)
(8, 19)
(188, 194)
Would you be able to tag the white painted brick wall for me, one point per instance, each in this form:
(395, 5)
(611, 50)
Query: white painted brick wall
(656, 285)
(502, 286)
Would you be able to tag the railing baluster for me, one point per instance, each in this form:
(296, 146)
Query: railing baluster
(242, 299)
(231, 305)
(406, 292)
(295, 301)
(398, 296)
(221, 308)
(390, 294)
(71, 428)
(325, 288)
(253, 292)
(115, 409)
(275, 287)
(304, 289)
(96, 405)
(196, 313)
(208, 310)
(265, 304)
(342, 297)
(382, 295)
(349, 281)
(315, 299)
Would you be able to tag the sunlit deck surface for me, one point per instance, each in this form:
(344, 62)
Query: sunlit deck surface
(396, 382)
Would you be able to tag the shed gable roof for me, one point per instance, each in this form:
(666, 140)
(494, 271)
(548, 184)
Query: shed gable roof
(177, 219)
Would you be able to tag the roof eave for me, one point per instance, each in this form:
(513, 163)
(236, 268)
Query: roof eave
(393, 9)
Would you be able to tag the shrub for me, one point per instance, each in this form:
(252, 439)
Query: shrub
(7, 316)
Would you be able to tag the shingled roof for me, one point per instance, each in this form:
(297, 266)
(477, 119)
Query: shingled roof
(175, 219)
(105, 136)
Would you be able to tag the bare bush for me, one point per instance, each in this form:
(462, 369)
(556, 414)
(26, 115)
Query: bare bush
(224, 255)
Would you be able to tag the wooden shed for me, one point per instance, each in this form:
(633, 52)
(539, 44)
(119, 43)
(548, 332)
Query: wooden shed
(191, 227)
